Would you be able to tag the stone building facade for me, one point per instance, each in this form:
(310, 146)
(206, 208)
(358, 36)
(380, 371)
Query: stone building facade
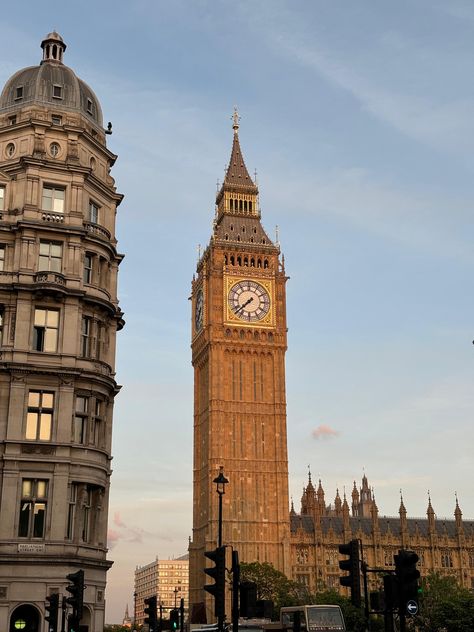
(443, 546)
(167, 579)
(59, 316)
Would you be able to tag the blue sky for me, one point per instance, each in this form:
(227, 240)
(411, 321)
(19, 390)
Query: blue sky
(359, 120)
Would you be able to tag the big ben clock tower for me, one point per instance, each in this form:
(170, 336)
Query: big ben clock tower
(238, 354)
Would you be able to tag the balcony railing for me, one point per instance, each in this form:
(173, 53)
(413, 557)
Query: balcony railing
(96, 229)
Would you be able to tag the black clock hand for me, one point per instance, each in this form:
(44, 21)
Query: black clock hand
(245, 304)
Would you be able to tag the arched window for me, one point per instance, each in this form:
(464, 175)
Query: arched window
(232, 260)
(225, 257)
(246, 261)
(265, 263)
(238, 237)
(252, 262)
(259, 263)
(226, 237)
(239, 261)
(231, 204)
(240, 205)
(245, 205)
(250, 206)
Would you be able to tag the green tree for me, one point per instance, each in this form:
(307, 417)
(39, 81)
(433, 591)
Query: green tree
(271, 584)
(444, 605)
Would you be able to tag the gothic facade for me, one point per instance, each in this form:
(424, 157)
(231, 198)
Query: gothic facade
(443, 546)
(59, 316)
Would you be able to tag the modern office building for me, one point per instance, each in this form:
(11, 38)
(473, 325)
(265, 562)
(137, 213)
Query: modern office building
(168, 580)
(59, 316)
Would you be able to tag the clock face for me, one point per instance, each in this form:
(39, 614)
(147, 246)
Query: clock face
(249, 301)
(199, 310)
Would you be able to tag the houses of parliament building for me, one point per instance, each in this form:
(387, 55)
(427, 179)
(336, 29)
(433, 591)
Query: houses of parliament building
(239, 340)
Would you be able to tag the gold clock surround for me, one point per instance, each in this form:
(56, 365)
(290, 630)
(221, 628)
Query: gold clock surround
(231, 318)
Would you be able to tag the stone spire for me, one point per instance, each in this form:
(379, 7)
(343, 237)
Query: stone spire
(238, 194)
(458, 518)
(345, 516)
(431, 515)
(355, 500)
(403, 521)
(338, 503)
(320, 497)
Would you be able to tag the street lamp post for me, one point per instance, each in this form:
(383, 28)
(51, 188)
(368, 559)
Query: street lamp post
(220, 481)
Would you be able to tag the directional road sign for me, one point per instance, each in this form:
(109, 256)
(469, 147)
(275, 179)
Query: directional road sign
(412, 607)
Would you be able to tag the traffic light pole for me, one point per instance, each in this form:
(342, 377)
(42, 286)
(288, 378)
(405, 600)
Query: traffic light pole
(63, 615)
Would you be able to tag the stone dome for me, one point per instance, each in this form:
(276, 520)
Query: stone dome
(52, 84)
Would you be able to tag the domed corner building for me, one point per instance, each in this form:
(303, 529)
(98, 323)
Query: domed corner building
(59, 315)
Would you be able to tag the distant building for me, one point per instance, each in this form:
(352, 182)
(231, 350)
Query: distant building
(59, 317)
(127, 621)
(167, 579)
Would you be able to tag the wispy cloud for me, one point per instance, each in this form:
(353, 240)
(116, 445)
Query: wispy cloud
(323, 432)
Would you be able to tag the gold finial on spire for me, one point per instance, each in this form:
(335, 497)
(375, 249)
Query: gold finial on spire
(235, 120)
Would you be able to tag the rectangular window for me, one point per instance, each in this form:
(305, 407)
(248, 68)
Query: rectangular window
(46, 327)
(57, 92)
(93, 212)
(86, 330)
(90, 106)
(12, 120)
(88, 268)
(2, 198)
(71, 511)
(53, 199)
(32, 520)
(39, 419)
(80, 419)
(98, 424)
(50, 256)
(56, 120)
(2, 257)
(1, 323)
(19, 93)
(86, 522)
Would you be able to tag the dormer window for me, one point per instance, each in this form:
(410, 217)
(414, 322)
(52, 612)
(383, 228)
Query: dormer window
(19, 93)
(57, 92)
(90, 106)
(12, 120)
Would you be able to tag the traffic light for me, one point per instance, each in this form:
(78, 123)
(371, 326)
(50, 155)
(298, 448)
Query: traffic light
(248, 600)
(76, 600)
(52, 610)
(150, 609)
(174, 619)
(407, 575)
(390, 589)
(352, 565)
(217, 572)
